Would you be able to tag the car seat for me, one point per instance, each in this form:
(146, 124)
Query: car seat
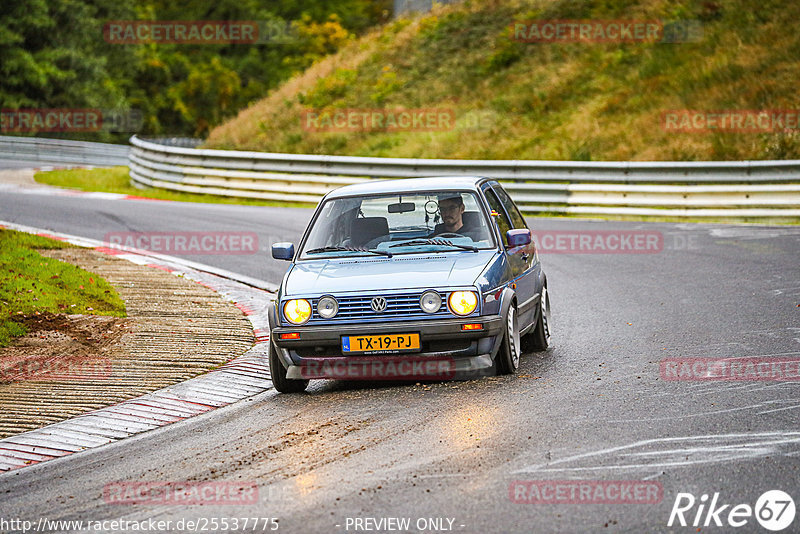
(365, 229)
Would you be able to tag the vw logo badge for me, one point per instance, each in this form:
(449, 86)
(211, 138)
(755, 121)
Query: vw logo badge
(378, 304)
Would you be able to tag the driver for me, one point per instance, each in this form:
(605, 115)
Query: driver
(451, 206)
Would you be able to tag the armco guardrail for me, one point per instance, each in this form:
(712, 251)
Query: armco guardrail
(690, 189)
(38, 150)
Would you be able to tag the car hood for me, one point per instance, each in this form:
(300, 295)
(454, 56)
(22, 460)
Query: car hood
(400, 272)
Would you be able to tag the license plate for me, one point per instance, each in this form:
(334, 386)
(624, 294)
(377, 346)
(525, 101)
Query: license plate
(386, 343)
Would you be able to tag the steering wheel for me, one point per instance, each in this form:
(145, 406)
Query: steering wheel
(375, 241)
(449, 234)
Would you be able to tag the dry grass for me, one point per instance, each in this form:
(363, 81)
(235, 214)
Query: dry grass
(575, 101)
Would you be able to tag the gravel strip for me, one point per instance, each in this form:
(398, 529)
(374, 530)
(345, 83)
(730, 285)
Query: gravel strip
(176, 329)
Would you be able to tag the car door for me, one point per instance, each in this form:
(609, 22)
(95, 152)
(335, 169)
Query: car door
(516, 258)
(527, 279)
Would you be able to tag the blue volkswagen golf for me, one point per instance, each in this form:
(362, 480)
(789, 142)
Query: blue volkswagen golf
(424, 278)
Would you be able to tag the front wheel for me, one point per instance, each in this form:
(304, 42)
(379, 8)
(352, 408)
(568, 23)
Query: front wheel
(508, 356)
(278, 373)
(539, 338)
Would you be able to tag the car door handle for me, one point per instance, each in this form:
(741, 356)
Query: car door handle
(524, 257)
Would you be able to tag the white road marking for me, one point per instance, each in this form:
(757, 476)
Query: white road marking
(668, 452)
(780, 409)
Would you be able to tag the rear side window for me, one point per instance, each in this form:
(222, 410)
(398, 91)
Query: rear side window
(500, 218)
(511, 208)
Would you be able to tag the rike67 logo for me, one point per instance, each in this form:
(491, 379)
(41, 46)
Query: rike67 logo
(774, 510)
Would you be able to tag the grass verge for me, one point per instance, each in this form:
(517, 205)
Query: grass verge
(32, 284)
(116, 180)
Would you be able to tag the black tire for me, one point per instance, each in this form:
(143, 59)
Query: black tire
(278, 373)
(507, 361)
(539, 338)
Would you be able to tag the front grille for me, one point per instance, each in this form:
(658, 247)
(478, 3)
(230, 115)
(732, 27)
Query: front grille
(397, 307)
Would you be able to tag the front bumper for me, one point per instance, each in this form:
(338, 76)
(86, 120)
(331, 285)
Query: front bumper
(469, 353)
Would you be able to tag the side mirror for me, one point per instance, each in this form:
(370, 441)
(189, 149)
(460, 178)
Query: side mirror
(518, 237)
(283, 251)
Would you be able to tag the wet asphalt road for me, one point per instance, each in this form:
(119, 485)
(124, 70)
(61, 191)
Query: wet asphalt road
(593, 407)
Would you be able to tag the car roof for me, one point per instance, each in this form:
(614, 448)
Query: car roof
(409, 185)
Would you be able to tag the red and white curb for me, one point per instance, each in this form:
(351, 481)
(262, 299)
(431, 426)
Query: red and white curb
(238, 379)
(47, 190)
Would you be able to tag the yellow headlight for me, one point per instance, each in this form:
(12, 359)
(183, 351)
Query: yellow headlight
(463, 302)
(297, 311)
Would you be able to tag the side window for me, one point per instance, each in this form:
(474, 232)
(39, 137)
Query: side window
(501, 218)
(511, 208)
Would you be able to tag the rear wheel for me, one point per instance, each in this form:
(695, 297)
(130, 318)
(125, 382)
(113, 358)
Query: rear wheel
(539, 338)
(508, 356)
(278, 373)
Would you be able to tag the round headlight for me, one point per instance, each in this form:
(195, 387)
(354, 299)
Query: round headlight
(297, 311)
(430, 302)
(463, 302)
(327, 307)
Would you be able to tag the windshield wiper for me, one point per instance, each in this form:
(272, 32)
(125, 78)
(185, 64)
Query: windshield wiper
(349, 249)
(443, 242)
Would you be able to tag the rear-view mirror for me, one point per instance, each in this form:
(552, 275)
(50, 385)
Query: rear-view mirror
(402, 207)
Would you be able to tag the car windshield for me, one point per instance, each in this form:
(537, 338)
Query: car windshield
(401, 223)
